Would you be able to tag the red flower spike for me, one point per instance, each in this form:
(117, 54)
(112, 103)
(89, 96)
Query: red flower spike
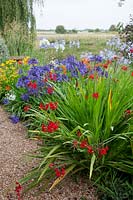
(91, 76)
(41, 106)
(57, 172)
(63, 171)
(50, 90)
(26, 108)
(105, 65)
(124, 68)
(95, 95)
(128, 112)
(20, 62)
(83, 144)
(132, 74)
(46, 107)
(90, 150)
(53, 77)
(79, 133)
(44, 128)
(32, 85)
(131, 50)
(18, 189)
(51, 165)
(53, 105)
(103, 151)
(52, 126)
(75, 143)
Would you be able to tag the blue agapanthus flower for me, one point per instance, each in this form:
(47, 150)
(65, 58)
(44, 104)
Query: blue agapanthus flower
(25, 97)
(33, 61)
(14, 119)
(5, 101)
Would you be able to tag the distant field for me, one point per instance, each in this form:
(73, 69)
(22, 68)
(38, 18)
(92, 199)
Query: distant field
(89, 42)
(79, 35)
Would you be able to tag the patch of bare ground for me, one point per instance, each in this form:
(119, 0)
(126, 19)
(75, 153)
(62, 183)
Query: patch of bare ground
(14, 165)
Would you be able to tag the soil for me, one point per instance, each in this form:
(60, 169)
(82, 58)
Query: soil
(14, 164)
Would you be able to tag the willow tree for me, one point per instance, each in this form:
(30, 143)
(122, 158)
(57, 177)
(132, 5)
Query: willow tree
(17, 23)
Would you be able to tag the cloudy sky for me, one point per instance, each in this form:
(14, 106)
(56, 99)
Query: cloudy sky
(81, 14)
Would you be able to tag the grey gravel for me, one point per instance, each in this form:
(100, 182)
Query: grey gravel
(14, 165)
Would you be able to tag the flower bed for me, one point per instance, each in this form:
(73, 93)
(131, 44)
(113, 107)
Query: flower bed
(80, 110)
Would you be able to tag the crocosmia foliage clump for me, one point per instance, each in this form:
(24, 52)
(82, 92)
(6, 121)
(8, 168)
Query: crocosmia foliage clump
(81, 111)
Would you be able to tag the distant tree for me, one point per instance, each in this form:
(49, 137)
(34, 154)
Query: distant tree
(97, 30)
(60, 29)
(90, 30)
(74, 31)
(112, 28)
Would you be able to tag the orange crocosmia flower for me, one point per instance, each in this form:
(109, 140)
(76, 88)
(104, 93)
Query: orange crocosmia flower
(85, 61)
(64, 69)
(8, 87)
(132, 74)
(20, 62)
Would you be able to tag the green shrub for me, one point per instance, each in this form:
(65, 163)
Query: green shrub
(17, 39)
(4, 54)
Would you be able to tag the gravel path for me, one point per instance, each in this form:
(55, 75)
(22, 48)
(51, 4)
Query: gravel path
(14, 164)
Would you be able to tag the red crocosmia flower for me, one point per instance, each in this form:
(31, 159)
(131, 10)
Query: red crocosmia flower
(95, 95)
(53, 105)
(46, 107)
(27, 108)
(57, 172)
(79, 133)
(105, 65)
(32, 85)
(103, 151)
(44, 128)
(75, 143)
(41, 106)
(91, 76)
(83, 144)
(132, 74)
(20, 62)
(124, 68)
(131, 50)
(128, 112)
(50, 90)
(90, 150)
(51, 165)
(52, 126)
(63, 171)
(18, 189)
(53, 77)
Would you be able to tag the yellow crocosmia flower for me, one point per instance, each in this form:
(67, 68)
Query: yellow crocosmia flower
(7, 62)
(25, 60)
(110, 99)
(2, 64)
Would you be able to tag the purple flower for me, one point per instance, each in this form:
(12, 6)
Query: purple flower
(14, 119)
(5, 101)
(25, 97)
(33, 61)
